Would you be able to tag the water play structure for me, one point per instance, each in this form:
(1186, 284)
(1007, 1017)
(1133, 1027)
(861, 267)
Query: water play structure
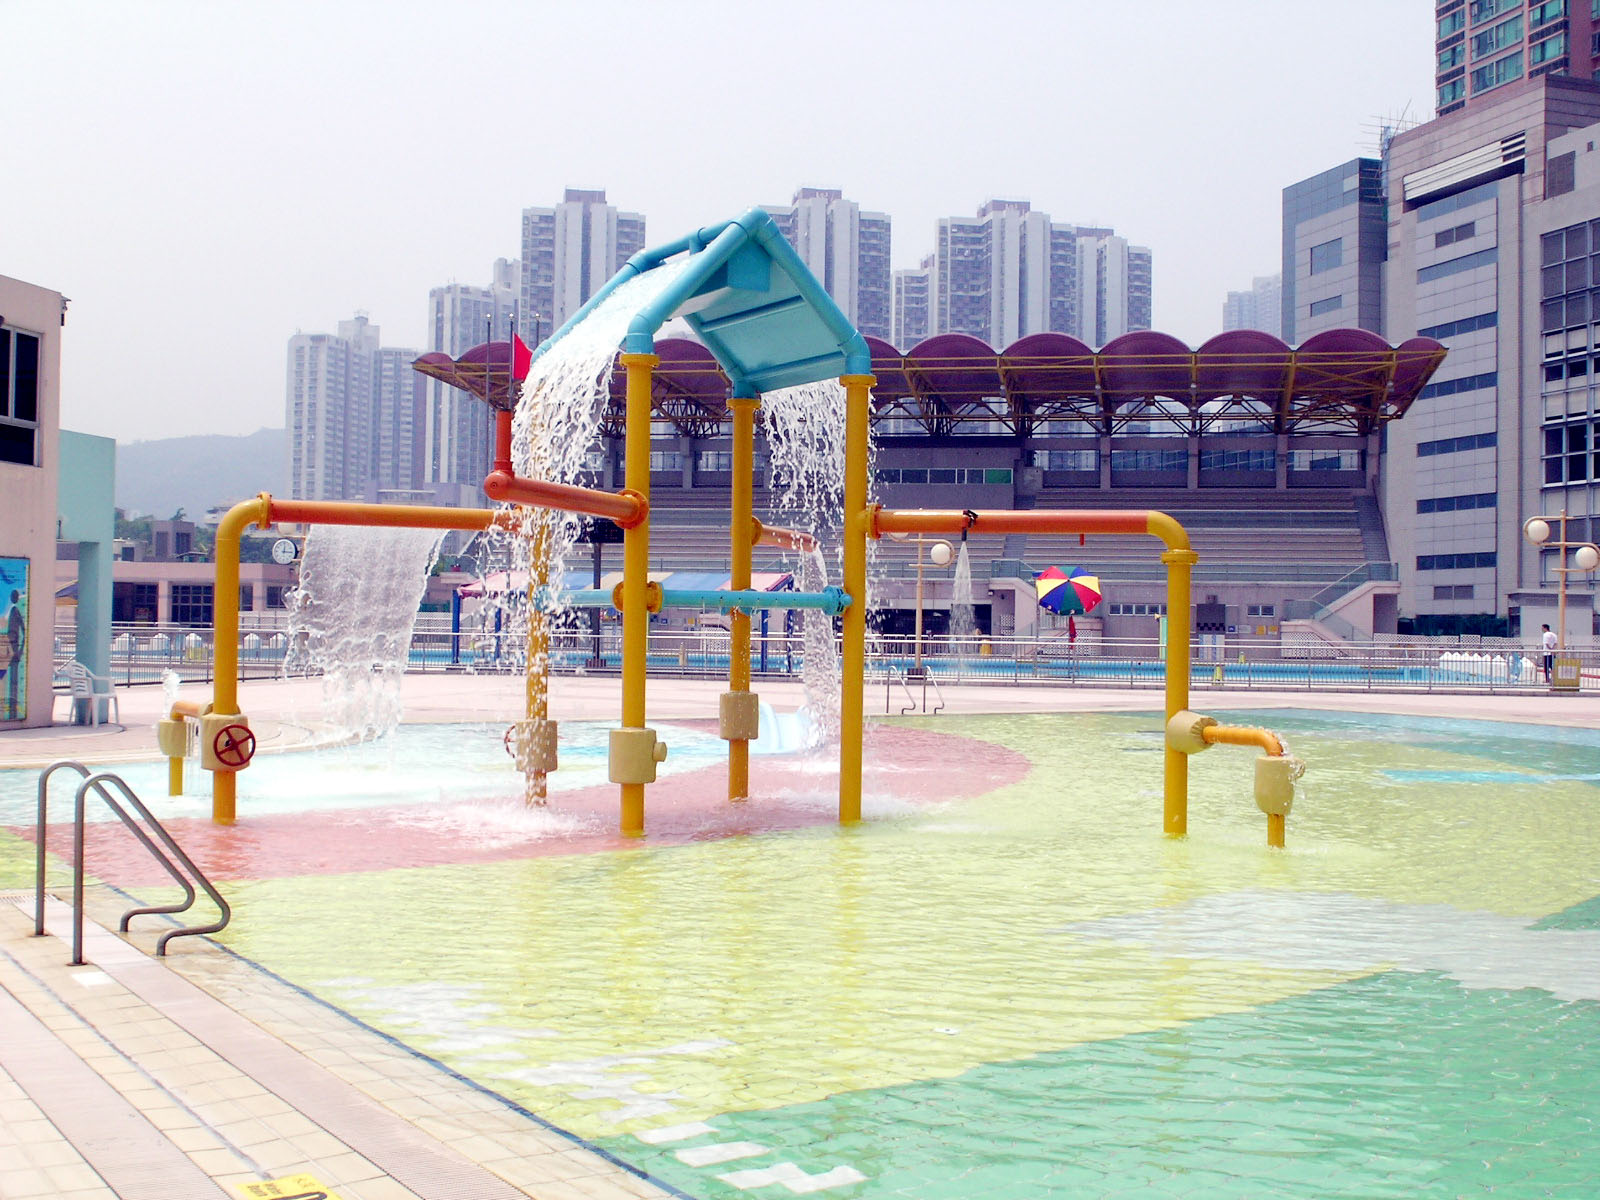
(771, 327)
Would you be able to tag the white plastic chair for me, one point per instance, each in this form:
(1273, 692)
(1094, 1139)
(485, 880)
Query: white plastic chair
(94, 690)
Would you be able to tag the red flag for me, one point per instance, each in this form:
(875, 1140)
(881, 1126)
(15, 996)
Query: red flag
(521, 358)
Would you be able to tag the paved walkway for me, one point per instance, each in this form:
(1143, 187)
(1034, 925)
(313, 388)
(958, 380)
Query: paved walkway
(200, 1075)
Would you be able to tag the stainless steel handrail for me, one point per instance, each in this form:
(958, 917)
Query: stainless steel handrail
(98, 784)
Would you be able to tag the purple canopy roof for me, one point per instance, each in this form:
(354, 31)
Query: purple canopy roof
(1342, 379)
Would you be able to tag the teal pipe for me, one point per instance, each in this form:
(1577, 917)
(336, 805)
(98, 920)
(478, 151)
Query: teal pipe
(641, 338)
(831, 600)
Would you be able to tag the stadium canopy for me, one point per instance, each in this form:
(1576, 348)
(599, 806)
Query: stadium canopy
(1340, 381)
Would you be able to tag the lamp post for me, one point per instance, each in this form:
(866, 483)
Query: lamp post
(1586, 558)
(940, 553)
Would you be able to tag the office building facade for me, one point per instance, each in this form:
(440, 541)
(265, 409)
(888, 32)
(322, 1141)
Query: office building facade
(1334, 226)
(1482, 46)
(845, 248)
(1493, 217)
(568, 253)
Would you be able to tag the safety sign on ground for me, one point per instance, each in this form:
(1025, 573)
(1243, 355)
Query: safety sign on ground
(293, 1187)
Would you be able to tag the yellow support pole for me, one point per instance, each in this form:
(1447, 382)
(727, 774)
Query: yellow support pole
(636, 572)
(225, 636)
(536, 674)
(174, 776)
(741, 532)
(1175, 775)
(853, 655)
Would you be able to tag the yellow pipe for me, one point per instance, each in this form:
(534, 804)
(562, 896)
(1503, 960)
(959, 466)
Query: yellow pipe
(174, 776)
(853, 649)
(536, 674)
(1180, 562)
(1243, 735)
(743, 530)
(636, 572)
(263, 511)
(1275, 824)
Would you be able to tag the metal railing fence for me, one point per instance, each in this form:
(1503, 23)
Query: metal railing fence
(143, 654)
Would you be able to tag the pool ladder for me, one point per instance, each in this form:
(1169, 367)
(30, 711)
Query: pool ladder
(152, 835)
(893, 676)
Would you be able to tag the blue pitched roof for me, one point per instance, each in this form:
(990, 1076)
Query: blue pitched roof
(765, 317)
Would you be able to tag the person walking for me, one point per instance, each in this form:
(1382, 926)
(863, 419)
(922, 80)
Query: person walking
(1549, 640)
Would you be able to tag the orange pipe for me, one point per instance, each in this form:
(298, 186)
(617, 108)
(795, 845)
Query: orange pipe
(403, 516)
(627, 508)
(1033, 520)
(788, 539)
(185, 708)
(1243, 735)
(502, 442)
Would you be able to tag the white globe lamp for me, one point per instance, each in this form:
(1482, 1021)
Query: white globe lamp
(1587, 558)
(1537, 531)
(940, 553)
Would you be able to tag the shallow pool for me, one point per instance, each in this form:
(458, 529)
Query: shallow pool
(1031, 992)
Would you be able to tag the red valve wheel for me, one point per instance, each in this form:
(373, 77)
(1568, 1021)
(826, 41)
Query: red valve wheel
(234, 746)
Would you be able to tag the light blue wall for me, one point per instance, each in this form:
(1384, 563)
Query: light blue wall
(86, 508)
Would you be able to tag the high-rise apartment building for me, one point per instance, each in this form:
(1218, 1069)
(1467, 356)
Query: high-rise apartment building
(845, 248)
(1480, 46)
(1259, 308)
(1011, 271)
(353, 415)
(1494, 217)
(568, 254)
(1333, 251)
(1114, 286)
(459, 433)
(910, 324)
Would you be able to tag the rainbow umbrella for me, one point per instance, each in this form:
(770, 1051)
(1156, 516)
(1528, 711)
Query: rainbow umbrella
(1067, 590)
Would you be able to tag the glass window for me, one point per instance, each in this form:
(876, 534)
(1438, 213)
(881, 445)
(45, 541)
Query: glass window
(191, 603)
(1552, 47)
(1543, 14)
(1552, 248)
(1496, 38)
(1326, 256)
(1452, 56)
(1451, 23)
(19, 397)
(1501, 71)
(1450, 92)
(1482, 10)
(1331, 304)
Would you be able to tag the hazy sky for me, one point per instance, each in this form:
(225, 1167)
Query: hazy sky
(203, 180)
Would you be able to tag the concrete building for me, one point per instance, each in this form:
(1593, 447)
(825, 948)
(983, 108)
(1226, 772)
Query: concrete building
(354, 411)
(1010, 272)
(1491, 251)
(1480, 46)
(460, 429)
(568, 253)
(1259, 308)
(1333, 251)
(845, 248)
(910, 324)
(31, 319)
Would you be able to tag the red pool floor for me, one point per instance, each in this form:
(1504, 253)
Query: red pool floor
(904, 767)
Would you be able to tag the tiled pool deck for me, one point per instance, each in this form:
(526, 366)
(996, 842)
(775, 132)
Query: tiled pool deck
(203, 1075)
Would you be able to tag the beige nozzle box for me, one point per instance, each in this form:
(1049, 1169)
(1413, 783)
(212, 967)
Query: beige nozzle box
(172, 739)
(533, 745)
(236, 752)
(1186, 732)
(739, 717)
(634, 755)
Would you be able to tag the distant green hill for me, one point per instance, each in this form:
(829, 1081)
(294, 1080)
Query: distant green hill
(195, 473)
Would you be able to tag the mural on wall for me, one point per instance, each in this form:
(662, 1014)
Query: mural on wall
(13, 639)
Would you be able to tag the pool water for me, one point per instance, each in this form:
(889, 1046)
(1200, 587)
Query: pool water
(1031, 992)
